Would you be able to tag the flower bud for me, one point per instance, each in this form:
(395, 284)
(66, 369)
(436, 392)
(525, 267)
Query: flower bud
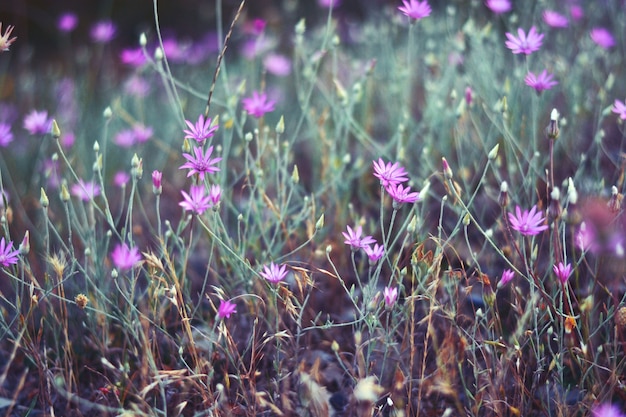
(503, 199)
(552, 130)
(56, 132)
(156, 182)
(447, 171)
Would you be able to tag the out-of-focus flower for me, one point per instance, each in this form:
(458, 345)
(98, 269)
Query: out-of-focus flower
(142, 132)
(137, 86)
(507, 276)
(125, 258)
(274, 273)
(37, 122)
(389, 173)
(555, 19)
(5, 39)
(6, 136)
(355, 239)
(541, 82)
(528, 223)
(67, 22)
(562, 272)
(374, 253)
(121, 178)
(85, 190)
(8, 255)
(225, 309)
(133, 57)
(415, 9)
(103, 31)
(401, 194)
(329, 3)
(201, 130)
(200, 163)
(215, 194)
(125, 138)
(619, 108)
(524, 43)
(607, 410)
(576, 12)
(196, 201)
(602, 37)
(277, 64)
(258, 104)
(390, 294)
(498, 6)
(469, 96)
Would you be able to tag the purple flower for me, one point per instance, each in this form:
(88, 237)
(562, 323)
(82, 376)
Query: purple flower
(142, 132)
(196, 201)
(524, 44)
(329, 3)
(618, 108)
(355, 240)
(585, 238)
(8, 255)
(607, 410)
(225, 309)
(86, 191)
(258, 104)
(402, 194)
(201, 131)
(157, 187)
(125, 138)
(274, 273)
(415, 9)
(390, 294)
(67, 22)
(507, 276)
(125, 258)
(5, 42)
(200, 164)
(498, 6)
(215, 194)
(562, 272)
(121, 178)
(528, 223)
(554, 19)
(37, 122)
(541, 82)
(6, 136)
(103, 31)
(278, 65)
(576, 12)
(133, 57)
(137, 86)
(602, 37)
(374, 253)
(389, 173)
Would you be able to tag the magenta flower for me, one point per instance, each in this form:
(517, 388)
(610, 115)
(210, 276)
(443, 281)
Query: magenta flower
(329, 3)
(121, 178)
(137, 86)
(402, 194)
(498, 6)
(196, 201)
(374, 253)
(157, 186)
(125, 258)
(528, 223)
(602, 37)
(6, 136)
(618, 108)
(86, 191)
(215, 194)
(5, 42)
(607, 410)
(274, 273)
(225, 309)
(507, 276)
(554, 19)
(125, 138)
(278, 65)
(541, 82)
(389, 173)
(8, 255)
(524, 44)
(390, 294)
(142, 132)
(415, 9)
(258, 104)
(103, 31)
(355, 240)
(562, 272)
(37, 122)
(201, 163)
(576, 12)
(67, 22)
(133, 57)
(201, 131)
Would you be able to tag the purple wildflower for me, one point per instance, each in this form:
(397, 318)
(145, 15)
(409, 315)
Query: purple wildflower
(274, 273)
(618, 108)
(125, 138)
(137, 86)
(498, 6)
(103, 31)
(225, 309)
(374, 253)
(6, 136)
(329, 3)
(142, 132)
(507, 276)
(133, 57)
(389, 173)
(67, 22)
(277, 64)
(196, 201)
(562, 272)
(355, 240)
(602, 37)
(37, 122)
(555, 19)
(541, 82)
(576, 12)
(125, 258)
(390, 294)
(201, 131)
(415, 9)
(5, 42)
(157, 186)
(215, 194)
(524, 43)
(85, 190)
(121, 178)
(401, 194)
(258, 104)
(528, 223)
(200, 164)
(8, 255)
(607, 410)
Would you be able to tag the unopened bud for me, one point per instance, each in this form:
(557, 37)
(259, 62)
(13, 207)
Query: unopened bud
(65, 194)
(493, 153)
(615, 202)
(43, 199)
(552, 130)
(295, 175)
(107, 113)
(56, 132)
(447, 171)
(25, 245)
(503, 198)
(320, 222)
(142, 39)
(280, 126)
